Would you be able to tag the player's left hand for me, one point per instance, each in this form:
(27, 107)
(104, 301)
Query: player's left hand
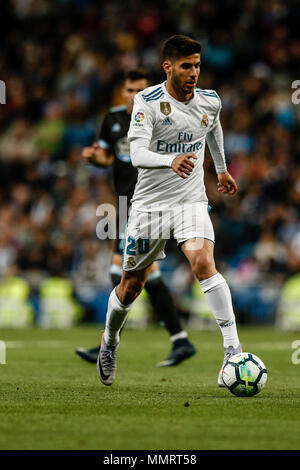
(226, 184)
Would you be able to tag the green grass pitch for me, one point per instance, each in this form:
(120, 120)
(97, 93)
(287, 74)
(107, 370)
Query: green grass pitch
(52, 399)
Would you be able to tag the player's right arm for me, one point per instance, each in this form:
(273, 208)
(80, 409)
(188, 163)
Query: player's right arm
(97, 156)
(142, 157)
(139, 136)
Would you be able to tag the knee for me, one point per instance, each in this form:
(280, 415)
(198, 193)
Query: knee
(203, 265)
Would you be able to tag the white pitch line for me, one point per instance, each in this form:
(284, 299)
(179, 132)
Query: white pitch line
(50, 343)
(41, 344)
(14, 344)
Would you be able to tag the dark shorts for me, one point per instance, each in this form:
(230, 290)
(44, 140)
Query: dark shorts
(120, 240)
(119, 245)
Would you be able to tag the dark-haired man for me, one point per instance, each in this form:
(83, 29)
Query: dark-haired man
(112, 148)
(170, 125)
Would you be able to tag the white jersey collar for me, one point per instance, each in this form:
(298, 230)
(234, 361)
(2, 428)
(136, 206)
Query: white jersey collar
(183, 105)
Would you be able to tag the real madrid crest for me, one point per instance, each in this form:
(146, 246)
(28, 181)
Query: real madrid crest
(165, 108)
(204, 121)
(131, 262)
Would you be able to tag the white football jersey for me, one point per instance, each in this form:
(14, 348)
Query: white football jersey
(172, 128)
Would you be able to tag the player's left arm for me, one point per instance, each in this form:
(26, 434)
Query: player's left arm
(215, 141)
(226, 183)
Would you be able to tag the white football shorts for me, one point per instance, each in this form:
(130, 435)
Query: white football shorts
(148, 232)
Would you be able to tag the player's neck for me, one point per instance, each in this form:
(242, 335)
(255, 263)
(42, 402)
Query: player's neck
(177, 93)
(129, 109)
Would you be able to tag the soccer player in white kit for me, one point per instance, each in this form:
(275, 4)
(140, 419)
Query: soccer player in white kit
(170, 124)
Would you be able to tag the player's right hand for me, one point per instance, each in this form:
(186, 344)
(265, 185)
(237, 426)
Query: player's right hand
(88, 154)
(184, 164)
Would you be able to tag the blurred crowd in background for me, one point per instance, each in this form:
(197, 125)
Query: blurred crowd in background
(63, 62)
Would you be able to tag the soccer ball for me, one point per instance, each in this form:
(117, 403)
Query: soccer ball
(244, 374)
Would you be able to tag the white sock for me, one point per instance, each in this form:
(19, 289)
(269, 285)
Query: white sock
(181, 335)
(218, 297)
(115, 318)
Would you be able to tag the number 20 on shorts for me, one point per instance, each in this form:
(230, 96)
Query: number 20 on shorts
(143, 246)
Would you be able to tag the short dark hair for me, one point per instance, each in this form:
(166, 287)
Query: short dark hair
(178, 46)
(137, 74)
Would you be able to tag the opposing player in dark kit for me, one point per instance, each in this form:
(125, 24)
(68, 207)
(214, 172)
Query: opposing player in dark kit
(112, 148)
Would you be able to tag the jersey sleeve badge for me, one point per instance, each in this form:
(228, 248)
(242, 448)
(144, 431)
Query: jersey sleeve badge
(139, 119)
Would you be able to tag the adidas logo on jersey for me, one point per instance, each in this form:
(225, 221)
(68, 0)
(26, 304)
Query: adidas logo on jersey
(166, 122)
